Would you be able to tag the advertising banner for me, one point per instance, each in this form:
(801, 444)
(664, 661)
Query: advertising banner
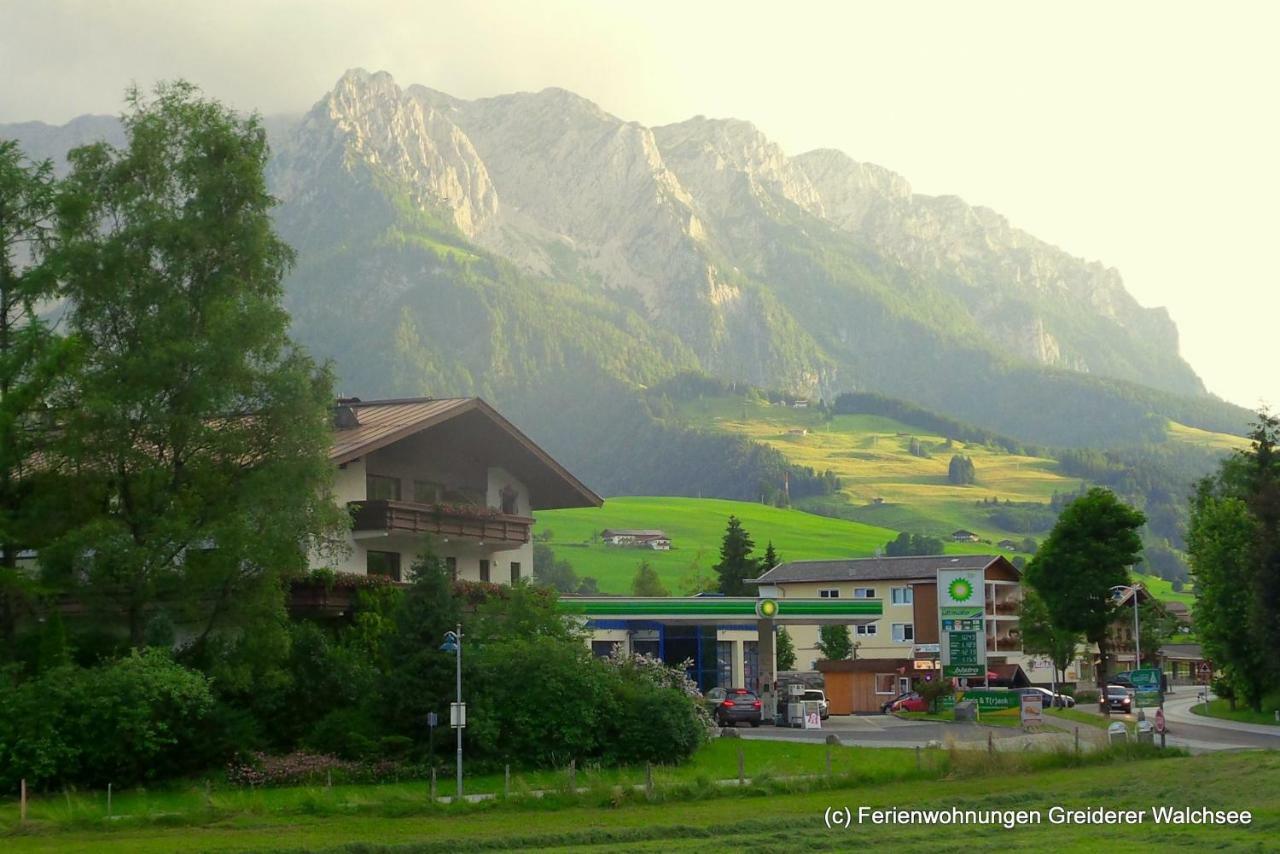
(961, 623)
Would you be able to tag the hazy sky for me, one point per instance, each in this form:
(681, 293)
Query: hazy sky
(1143, 135)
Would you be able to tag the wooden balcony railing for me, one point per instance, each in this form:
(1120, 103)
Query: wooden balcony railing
(406, 517)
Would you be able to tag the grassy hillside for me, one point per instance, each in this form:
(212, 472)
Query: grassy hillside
(871, 455)
(696, 526)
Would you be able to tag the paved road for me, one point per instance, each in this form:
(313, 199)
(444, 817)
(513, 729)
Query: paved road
(880, 731)
(1200, 733)
(1185, 730)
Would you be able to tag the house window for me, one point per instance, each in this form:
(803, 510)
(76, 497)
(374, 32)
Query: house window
(864, 593)
(484, 570)
(515, 572)
(903, 632)
(385, 564)
(427, 492)
(451, 564)
(510, 500)
(602, 649)
(902, 596)
(904, 684)
(379, 487)
(829, 593)
(886, 683)
(867, 629)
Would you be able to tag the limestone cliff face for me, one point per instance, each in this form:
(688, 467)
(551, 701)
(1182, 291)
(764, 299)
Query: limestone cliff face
(1021, 288)
(367, 118)
(813, 273)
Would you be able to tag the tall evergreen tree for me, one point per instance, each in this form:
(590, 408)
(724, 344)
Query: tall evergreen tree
(1089, 551)
(736, 564)
(646, 581)
(199, 431)
(771, 558)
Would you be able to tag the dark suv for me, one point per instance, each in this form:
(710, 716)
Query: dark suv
(738, 704)
(1116, 697)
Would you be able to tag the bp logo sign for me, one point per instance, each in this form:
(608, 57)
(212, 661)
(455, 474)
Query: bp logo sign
(960, 590)
(766, 608)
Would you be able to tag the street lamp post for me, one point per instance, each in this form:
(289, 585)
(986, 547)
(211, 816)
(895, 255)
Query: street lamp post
(1137, 634)
(453, 643)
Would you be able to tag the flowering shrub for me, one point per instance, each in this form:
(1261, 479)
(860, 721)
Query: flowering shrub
(259, 769)
(650, 670)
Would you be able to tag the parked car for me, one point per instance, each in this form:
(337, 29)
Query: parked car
(1061, 701)
(887, 705)
(820, 696)
(738, 705)
(912, 702)
(1118, 698)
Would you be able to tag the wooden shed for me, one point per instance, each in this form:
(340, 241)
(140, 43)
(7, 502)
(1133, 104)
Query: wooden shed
(859, 686)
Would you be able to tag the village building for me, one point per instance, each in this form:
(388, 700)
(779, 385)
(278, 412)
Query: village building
(451, 472)
(963, 536)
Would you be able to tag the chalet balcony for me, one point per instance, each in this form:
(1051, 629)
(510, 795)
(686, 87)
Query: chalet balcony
(465, 522)
(1009, 607)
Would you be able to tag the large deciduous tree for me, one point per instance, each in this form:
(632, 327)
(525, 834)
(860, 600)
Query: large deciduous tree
(1088, 552)
(1232, 554)
(1041, 637)
(32, 360)
(835, 642)
(199, 431)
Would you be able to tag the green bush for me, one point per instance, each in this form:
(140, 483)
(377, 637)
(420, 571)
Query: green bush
(348, 733)
(647, 723)
(140, 718)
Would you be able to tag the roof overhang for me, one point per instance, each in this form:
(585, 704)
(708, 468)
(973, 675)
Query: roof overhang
(552, 485)
(723, 610)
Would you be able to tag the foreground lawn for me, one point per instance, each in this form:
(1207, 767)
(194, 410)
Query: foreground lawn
(758, 818)
(1222, 709)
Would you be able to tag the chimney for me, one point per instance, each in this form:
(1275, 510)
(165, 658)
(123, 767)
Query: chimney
(344, 415)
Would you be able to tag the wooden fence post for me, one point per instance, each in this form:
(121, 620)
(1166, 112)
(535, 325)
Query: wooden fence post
(828, 760)
(22, 800)
(433, 783)
(991, 743)
(108, 800)
(1077, 741)
(742, 768)
(648, 779)
(506, 781)
(573, 775)
(917, 757)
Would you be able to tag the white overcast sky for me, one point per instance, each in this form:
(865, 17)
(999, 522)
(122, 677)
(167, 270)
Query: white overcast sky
(1143, 135)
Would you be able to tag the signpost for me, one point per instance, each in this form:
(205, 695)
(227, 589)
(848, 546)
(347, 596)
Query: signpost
(962, 626)
(1032, 710)
(1146, 687)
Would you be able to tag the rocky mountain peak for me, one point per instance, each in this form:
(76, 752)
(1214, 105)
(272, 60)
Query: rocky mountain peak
(400, 137)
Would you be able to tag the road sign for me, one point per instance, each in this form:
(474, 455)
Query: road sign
(1203, 672)
(1146, 686)
(961, 621)
(1160, 720)
(1032, 710)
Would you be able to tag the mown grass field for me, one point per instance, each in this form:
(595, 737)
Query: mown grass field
(870, 454)
(766, 816)
(696, 526)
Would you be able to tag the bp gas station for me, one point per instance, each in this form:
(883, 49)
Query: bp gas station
(729, 639)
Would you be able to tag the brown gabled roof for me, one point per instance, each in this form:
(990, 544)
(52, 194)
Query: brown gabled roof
(379, 423)
(874, 568)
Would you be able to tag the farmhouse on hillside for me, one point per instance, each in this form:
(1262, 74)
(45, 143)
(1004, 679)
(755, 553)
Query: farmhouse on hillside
(963, 536)
(641, 538)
